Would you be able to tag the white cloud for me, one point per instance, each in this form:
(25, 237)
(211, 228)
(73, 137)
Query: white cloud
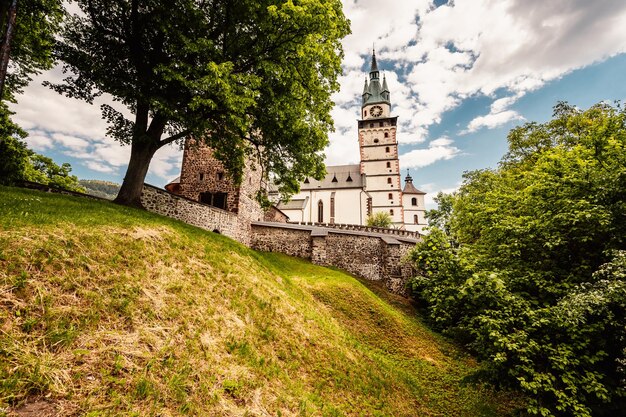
(438, 149)
(434, 59)
(432, 190)
(77, 129)
(71, 142)
(99, 167)
(492, 120)
(469, 48)
(39, 141)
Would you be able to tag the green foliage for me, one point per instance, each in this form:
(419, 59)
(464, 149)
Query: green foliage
(36, 23)
(108, 310)
(13, 152)
(43, 170)
(250, 78)
(18, 163)
(525, 271)
(379, 219)
(440, 217)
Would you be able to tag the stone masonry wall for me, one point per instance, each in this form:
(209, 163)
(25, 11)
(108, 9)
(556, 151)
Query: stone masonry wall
(361, 228)
(206, 217)
(294, 243)
(202, 172)
(362, 256)
(372, 256)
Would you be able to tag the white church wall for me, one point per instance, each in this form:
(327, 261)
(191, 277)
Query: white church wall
(377, 136)
(381, 183)
(350, 206)
(379, 152)
(382, 198)
(381, 167)
(396, 217)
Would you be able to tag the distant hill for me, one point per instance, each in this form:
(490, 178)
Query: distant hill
(103, 189)
(108, 310)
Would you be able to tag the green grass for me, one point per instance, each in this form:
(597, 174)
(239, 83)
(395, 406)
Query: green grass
(111, 311)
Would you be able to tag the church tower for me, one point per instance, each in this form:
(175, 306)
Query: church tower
(379, 148)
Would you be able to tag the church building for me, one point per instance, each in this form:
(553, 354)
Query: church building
(350, 193)
(347, 195)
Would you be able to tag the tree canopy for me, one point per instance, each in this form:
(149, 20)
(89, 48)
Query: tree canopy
(28, 43)
(527, 263)
(250, 78)
(18, 163)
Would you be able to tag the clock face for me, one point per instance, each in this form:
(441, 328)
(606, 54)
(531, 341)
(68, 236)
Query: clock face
(376, 111)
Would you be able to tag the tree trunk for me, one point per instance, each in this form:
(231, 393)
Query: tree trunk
(141, 154)
(5, 47)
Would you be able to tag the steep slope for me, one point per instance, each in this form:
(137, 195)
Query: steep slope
(106, 310)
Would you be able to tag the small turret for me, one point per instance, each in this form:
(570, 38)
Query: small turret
(366, 91)
(385, 92)
(409, 188)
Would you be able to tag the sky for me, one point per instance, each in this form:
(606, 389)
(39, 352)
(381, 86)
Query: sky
(461, 75)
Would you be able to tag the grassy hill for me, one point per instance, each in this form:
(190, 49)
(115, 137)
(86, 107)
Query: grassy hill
(106, 310)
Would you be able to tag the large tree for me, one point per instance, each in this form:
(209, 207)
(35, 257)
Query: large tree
(528, 265)
(27, 30)
(250, 78)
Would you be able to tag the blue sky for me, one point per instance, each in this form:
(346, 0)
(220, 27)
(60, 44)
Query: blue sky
(461, 74)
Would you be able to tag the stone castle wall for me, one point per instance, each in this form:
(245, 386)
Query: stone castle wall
(201, 215)
(202, 172)
(372, 256)
(361, 228)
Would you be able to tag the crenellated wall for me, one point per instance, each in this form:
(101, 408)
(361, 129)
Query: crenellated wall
(374, 254)
(369, 255)
(201, 215)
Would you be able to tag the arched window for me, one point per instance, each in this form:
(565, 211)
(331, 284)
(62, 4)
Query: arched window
(390, 196)
(415, 220)
(414, 201)
(391, 212)
(375, 140)
(386, 134)
(381, 124)
(387, 149)
(388, 164)
(320, 212)
(332, 208)
(365, 113)
(388, 180)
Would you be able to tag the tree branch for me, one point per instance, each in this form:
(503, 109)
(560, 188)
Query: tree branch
(174, 137)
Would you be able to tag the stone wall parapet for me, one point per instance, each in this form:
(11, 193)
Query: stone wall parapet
(367, 254)
(358, 227)
(160, 201)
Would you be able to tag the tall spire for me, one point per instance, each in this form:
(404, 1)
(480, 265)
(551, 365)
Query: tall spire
(373, 92)
(374, 65)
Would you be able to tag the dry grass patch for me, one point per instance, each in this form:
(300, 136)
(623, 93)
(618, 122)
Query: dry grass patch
(109, 311)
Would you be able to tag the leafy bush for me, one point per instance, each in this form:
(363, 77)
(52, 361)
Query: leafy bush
(13, 152)
(525, 265)
(18, 163)
(379, 219)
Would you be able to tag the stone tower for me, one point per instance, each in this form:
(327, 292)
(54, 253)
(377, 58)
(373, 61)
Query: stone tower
(379, 148)
(203, 178)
